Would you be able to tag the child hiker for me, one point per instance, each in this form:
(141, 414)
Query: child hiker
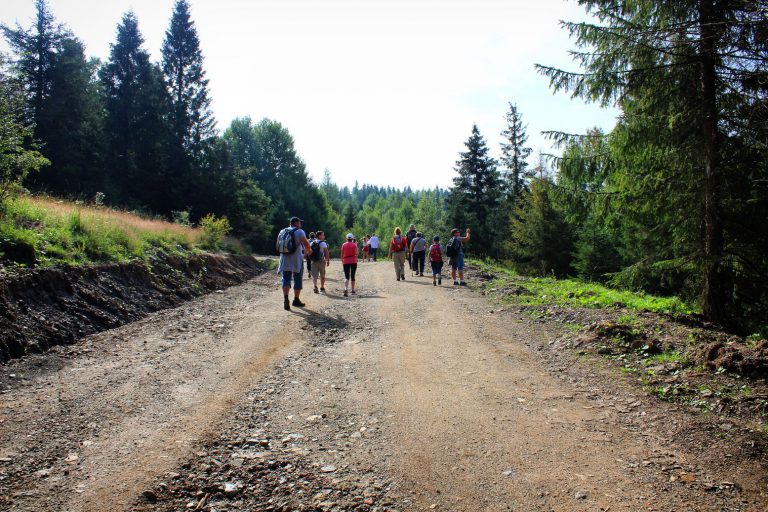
(436, 261)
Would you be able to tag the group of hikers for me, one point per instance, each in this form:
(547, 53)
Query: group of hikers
(295, 247)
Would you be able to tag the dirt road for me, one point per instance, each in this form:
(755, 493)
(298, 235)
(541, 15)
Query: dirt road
(406, 396)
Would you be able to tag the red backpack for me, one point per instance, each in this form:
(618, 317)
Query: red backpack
(435, 253)
(398, 244)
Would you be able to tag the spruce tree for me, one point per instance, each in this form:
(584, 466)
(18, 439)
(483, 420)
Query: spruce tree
(475, 197)
(514, 153)
(192, 121)
(36, 49)
(136, 105)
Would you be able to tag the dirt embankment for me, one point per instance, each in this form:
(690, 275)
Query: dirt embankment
(41, 308)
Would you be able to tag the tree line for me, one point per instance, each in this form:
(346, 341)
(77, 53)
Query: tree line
(137, 134)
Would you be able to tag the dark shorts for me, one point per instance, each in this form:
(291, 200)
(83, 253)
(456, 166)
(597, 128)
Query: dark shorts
(458, 261)
(297, 279)
(349, 271)
(437, 267)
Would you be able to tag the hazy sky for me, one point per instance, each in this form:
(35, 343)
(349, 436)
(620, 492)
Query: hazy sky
(379, 91)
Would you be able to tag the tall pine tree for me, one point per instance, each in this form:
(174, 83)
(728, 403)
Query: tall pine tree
(136, 105)
(475, 197)
(192, 121)
(514, 153)
(36, 49)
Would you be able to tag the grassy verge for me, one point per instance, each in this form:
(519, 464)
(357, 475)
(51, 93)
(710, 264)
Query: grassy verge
(45, 231)
(536, 291)
(666, 358)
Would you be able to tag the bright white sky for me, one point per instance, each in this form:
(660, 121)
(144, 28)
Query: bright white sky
(378, 91)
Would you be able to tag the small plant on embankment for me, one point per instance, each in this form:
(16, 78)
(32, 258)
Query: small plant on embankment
(45, 231)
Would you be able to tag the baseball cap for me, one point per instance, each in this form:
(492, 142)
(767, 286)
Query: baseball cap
(296, 219)
(350, 236)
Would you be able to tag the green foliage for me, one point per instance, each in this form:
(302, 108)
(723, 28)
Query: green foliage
(191, 120)
(540, 239)
(514, 154)
(476, 196)
(214, 231)
(543, 291)
(136, 107)
(687, 166)
(16, 162)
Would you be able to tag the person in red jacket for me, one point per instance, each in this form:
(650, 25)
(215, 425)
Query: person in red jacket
(349, 261)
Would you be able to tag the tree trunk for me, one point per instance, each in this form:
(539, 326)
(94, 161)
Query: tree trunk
(713, 297)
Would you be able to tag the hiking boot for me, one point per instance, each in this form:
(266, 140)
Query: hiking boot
(463, 283)
(434, 283)
(322, 290)
(398, 279)
(354, 292)
(345, 293)
(403, 277)
(316, 290)
(286, 303)
(298, 303)
(455, 283)
(440, 280)
(421, 274)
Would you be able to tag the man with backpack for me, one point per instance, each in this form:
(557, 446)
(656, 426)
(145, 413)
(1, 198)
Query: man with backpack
(409, 236)
(398, 246)
(292, 244)
(418, 248)
(321, 259)
(436, 261)
(455, 251)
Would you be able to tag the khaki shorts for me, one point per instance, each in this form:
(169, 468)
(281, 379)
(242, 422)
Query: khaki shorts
(318, 268)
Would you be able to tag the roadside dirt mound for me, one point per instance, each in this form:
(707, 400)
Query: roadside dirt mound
(738, 358)
(42, 308)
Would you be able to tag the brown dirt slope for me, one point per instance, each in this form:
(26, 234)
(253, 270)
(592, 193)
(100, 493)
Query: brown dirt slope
(41, 308)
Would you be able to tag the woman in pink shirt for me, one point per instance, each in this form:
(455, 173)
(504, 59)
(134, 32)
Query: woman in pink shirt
(349, 260)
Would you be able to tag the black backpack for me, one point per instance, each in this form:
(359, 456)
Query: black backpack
(452, 248)
(317, 253)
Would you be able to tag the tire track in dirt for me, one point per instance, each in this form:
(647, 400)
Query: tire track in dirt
(94, 432)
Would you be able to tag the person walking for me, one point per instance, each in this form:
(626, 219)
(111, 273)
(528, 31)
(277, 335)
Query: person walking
(321, 259)
(418, 249)
(292, 244)
(308, 257)
(366, 249)
(455, 252)
(398, 246)
(436, 261)
(409, 236)
(349, 262)
(374, 245)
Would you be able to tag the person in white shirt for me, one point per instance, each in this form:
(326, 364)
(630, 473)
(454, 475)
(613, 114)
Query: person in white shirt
(374, 245)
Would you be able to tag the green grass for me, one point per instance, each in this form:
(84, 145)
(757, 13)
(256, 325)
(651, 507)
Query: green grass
(542, 291)
(45, 231)
(666, 357)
